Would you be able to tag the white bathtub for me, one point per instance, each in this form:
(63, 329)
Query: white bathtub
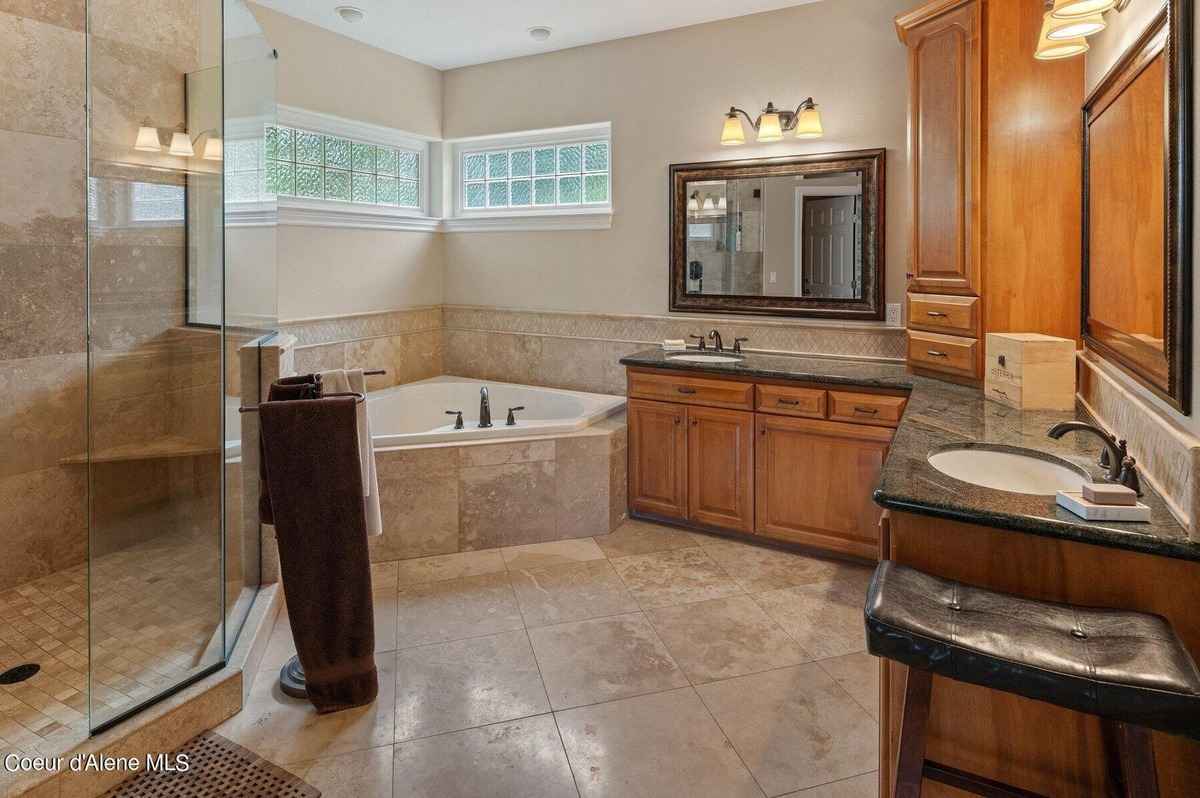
(416, 413)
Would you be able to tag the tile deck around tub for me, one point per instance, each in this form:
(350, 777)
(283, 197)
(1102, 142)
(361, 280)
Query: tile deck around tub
(649, 662)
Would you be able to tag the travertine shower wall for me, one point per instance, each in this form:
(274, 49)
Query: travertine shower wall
(43, 512)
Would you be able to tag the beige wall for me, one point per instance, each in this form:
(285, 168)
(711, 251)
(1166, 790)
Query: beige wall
(664, 94)
(326, 271)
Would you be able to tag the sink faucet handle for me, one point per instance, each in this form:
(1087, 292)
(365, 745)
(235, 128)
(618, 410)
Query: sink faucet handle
(458, 422)
(512, 420)
(1129, 475)
(737, 344)
(1105, 460)
(700, 338)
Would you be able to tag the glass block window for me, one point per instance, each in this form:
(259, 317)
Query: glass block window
(157, 202)
(542, 176)
(300, 163)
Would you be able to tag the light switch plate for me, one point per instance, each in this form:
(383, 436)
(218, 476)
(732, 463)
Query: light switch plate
(893, 314)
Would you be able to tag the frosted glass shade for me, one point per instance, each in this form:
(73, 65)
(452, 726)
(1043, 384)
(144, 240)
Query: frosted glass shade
(769, 128)
(1050, 50)
(181, 145)
(693, 205)
(1070, 9)
(214, 149)
(147, 139)
(733, 134)
(808, 124)
(1075, 27)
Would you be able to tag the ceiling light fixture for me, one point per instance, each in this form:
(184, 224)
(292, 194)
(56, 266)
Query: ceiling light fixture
(147, 138)
(1067, 9)
(539, 33)
(1067, 23)
(351, 14)
(772, 124)
(1063, 29)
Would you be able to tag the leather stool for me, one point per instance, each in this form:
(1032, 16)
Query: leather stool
(1128, 668)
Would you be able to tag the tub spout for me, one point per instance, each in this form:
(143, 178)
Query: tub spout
(485, 409)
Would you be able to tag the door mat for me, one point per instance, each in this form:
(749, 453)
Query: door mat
(216, 768)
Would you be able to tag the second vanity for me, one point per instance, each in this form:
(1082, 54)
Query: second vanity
(835, 456)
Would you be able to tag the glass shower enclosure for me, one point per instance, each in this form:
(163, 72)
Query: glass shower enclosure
(173, 556)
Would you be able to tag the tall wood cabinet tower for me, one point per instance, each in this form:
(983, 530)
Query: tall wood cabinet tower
(995, 149)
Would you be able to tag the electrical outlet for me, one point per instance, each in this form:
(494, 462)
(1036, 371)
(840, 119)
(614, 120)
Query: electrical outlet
(893, 314)
(773, 278)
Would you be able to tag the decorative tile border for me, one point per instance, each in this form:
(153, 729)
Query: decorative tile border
(830, 339)
(340, 329)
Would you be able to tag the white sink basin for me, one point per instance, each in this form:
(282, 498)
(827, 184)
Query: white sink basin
(1009, 471)
(703, 358)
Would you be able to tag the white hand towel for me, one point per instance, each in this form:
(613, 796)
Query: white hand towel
(353, 380)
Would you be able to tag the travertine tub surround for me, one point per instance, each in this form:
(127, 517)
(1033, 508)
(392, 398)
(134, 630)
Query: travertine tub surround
(441, 499)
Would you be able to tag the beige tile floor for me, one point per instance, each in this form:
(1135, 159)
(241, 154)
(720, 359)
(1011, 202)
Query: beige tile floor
(649, 663)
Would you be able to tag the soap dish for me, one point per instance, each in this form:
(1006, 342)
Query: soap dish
(1074, 501)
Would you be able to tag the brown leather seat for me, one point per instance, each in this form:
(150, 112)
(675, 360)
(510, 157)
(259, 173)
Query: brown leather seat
(1124, 666)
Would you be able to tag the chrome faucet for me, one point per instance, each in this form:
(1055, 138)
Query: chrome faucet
(485, 409)
(1122, 468)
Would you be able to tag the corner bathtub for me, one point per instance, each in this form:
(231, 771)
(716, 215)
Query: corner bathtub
(415, 413)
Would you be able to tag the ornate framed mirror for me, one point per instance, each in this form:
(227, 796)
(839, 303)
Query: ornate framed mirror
(1137, 215)
(799, 236)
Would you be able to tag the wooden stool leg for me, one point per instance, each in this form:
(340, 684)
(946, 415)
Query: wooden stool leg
(914, 723)
(1134, 748)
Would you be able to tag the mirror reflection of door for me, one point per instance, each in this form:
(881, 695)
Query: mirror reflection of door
(827, 259)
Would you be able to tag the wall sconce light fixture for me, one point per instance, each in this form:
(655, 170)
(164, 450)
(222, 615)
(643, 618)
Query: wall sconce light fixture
(182, 145)
(1067, 23)
(772, 124)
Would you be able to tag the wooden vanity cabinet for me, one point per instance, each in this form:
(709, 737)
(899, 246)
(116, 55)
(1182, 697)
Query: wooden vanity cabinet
(814, 481)
(795, 463)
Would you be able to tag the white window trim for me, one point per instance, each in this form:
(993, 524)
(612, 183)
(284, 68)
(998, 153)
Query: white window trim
(584, 217)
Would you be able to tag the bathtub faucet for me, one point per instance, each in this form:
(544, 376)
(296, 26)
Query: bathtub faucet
(485, 409)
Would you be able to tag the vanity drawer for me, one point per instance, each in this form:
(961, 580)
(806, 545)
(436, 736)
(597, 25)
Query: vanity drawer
(691, 390)
(948, 353)
(956, 315)
(866, 408)
(789, 401)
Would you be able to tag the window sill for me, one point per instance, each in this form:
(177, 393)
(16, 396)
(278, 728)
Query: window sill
(591, 218)
(293, 212)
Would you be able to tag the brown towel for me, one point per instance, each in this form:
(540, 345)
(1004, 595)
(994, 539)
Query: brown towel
(307, 386)
(310, 449)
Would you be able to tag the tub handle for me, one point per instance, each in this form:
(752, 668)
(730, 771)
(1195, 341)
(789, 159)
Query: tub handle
(512, 420)
(458, 422)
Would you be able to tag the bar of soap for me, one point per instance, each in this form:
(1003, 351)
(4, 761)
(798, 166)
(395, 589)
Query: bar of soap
(1101, 512)
(674, 345)
(1109, 494)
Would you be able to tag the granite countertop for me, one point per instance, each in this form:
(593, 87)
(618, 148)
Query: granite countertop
(941, 414)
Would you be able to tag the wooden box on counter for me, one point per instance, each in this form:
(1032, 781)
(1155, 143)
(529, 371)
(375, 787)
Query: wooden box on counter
(1030, 371)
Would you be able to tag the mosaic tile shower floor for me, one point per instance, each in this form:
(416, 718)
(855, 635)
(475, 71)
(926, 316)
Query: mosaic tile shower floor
(153, 609)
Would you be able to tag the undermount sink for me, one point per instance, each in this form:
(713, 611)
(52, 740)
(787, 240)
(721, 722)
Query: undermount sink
(1011, 470)
(702, 357)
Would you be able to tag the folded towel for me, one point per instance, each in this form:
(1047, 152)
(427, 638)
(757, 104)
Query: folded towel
(674, 345)
(307, 386)
(342, 381)
(310, 449)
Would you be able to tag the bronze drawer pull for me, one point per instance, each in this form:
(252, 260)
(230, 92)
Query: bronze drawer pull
(687, 391)
(789, 401)
(870, 411)
(1002, 393)
(935, 353)
(937, 314)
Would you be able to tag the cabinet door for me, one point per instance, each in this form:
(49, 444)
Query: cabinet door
(814, 481)
(944, 144)
(658, 458)
(720, 446)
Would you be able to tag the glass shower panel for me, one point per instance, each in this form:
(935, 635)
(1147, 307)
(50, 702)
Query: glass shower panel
(249, 294)
(155, 349)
